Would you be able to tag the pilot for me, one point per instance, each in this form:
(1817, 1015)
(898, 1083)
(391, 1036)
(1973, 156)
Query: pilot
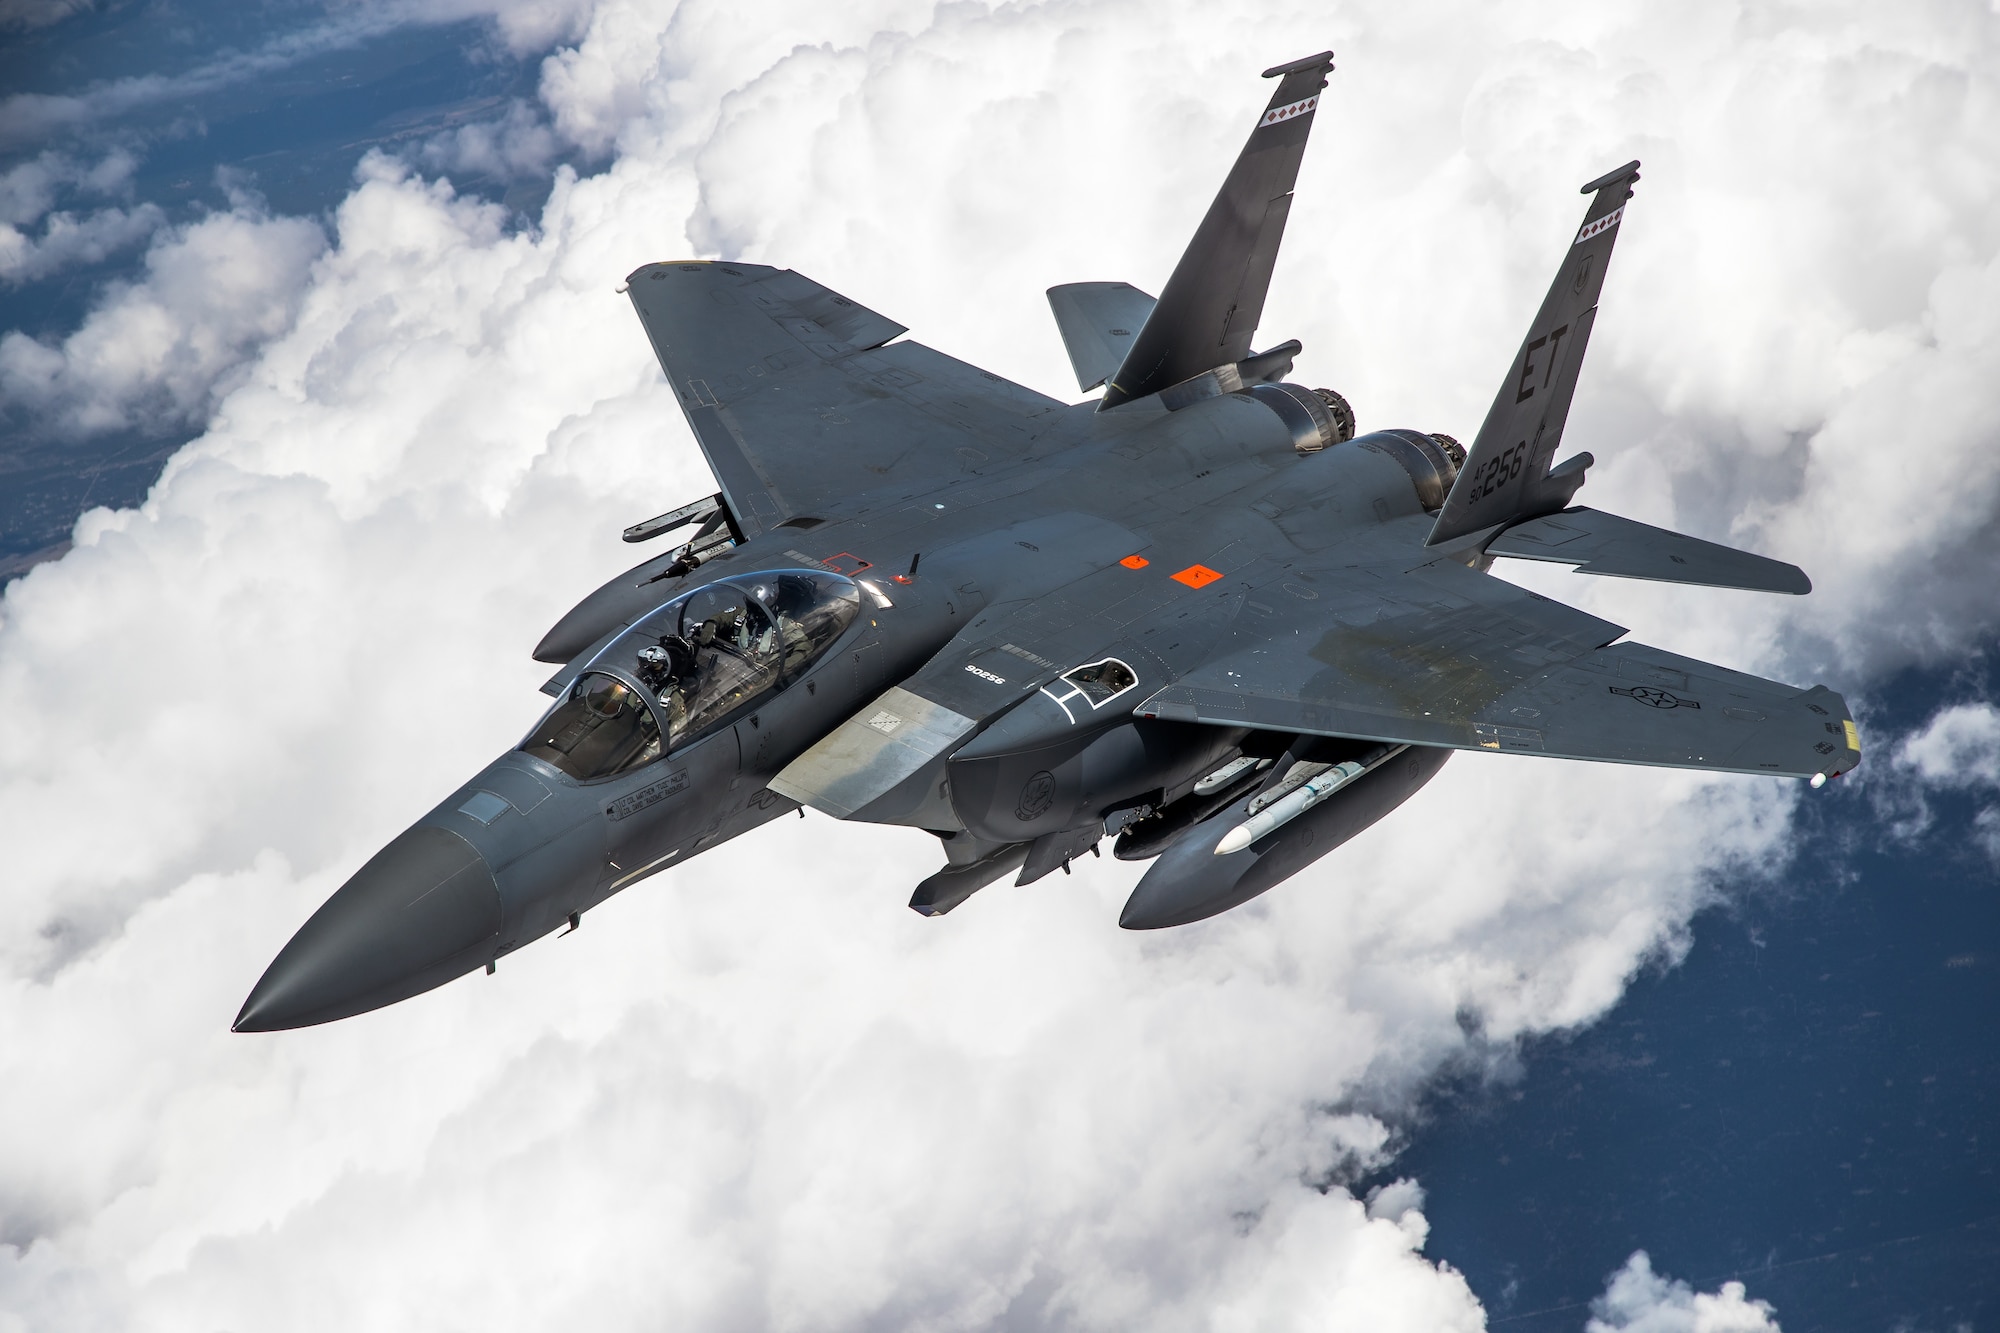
(724, 626)
(791, 603)
(656, 667)
(667, 669)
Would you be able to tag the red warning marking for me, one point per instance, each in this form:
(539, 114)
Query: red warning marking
(1197, 576)
(1298, 108)
(847, 564)
(1603, 224)
(1135, 562)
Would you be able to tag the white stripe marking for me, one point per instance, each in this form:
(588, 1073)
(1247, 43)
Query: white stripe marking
(1292, 112)
(1603, 224)
(646, 869)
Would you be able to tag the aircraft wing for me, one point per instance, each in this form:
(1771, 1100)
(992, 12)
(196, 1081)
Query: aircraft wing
(799, 399)
(1445, 656)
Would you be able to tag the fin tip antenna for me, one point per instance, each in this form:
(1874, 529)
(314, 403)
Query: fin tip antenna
(1323, 60)
(1628, 172)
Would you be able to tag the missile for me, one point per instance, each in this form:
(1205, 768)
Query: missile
(1267, 814)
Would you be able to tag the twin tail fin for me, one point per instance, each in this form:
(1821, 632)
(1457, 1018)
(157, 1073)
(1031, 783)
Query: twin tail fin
(1506, 476)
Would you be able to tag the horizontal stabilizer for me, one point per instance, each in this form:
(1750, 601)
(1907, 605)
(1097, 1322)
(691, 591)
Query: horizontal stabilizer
(1098, 321)
(1600, 543)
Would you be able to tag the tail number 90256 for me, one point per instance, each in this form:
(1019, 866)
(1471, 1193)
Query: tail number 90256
(1497, 471)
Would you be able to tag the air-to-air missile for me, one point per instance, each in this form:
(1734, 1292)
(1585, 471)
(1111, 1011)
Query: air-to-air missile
(1197, 614)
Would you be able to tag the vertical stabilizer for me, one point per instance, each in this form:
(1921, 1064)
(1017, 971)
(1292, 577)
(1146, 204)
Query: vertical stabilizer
(1506, 473)
(1213, 301)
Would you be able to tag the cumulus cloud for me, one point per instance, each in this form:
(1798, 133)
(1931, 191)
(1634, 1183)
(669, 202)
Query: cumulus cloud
(1638, 1300)
(757, 1090)
(156, 353)
(67, 240)
(1959, 747)
(519, 144)
(1957, 750)
(29, 191)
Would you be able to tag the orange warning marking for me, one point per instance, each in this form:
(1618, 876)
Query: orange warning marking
(1135, 562)
(1197, 576)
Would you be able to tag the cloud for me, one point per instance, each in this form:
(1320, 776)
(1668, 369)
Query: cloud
(1958, 747)
(27, 118)
(757, 1091)
(68, 240)
(1957, 750)
(155, 354)
(28, 14)
(517, 145)
(1638, 1300)
(30, 189)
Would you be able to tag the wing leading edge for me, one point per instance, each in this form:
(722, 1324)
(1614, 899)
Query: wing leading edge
(1463, 660)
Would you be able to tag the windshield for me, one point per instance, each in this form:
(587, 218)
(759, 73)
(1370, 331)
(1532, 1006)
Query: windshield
(603, 728)
(707, 654)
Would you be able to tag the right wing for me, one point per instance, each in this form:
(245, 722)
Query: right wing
(1445, 656)
(799, 400)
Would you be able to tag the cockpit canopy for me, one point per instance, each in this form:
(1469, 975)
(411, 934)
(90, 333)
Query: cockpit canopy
(688, 667)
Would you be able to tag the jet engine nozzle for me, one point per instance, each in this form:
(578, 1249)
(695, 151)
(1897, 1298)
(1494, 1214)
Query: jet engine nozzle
(1316, 418)
(425, 909)
(1431, 460)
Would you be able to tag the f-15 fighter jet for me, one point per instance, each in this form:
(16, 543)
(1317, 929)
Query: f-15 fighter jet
(1197, 615)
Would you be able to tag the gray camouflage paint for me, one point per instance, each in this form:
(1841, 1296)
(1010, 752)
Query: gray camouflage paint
(1201, 546)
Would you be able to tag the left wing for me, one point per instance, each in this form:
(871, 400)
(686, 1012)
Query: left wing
(1445, 656)
(799, 399)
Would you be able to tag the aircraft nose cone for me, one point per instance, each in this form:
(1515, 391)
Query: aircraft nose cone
(425, 909)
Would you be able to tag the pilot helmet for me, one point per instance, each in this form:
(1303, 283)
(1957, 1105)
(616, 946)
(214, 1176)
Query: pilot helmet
(656, 666)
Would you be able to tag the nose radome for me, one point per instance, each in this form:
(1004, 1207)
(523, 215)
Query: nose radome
(425, 909)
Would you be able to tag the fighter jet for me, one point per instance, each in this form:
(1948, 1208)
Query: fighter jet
(1197, 615)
